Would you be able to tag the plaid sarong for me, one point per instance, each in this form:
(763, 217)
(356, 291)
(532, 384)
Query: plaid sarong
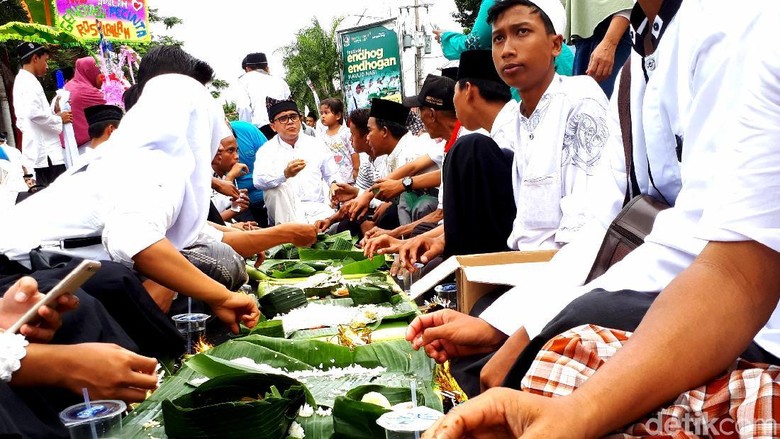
(739, 404)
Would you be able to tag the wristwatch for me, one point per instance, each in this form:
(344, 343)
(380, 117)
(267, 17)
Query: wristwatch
(407, 182)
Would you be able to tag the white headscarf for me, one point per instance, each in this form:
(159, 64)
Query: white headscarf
(176, 118)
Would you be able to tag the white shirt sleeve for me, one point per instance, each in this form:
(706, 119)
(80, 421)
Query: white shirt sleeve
(746, 189)
(142, 216)
(269, 170)
(593, 174)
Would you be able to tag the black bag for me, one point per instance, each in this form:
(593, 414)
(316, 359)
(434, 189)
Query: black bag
(635, 221)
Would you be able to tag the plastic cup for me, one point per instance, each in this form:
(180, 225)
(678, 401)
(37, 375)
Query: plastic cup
(410, 277)
(408, 424)
(192, 326)
(102, 420)
(448, 292)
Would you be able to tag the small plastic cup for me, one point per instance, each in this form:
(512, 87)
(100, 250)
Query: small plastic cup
(408, 424)
(192, 326)
(103, 419)
(410, 277)
(448, 292)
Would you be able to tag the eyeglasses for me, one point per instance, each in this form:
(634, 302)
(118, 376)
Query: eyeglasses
(294, 117)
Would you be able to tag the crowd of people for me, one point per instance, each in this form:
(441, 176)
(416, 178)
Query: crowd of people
(506, 152)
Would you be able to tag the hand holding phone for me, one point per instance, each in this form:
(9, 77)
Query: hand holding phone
(69, 284)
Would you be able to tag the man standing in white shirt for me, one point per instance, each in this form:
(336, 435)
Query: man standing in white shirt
(257, 84)
(40, 127)
(294, 170)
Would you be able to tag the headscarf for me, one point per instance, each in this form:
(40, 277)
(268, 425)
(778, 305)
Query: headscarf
(175, 128)
(83, 94)
(249, 140)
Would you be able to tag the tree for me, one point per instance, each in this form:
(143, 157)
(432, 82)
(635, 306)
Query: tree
(313, 56)
(467, 13)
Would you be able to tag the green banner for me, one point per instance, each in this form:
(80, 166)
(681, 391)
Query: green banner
(372, 64)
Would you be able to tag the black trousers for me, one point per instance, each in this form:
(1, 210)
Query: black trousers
(46, 176)
(622, 310)
(32, 412)
(479, 204)
(123, 295)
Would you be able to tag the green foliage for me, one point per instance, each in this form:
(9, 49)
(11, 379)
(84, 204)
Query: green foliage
(216, 87)
(313, 56)
(231, 112)
(467, 12)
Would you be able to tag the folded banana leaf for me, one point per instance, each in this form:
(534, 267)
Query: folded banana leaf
(282, 251)
(368, 294)
(288, 269)
(353, 419)
(236, 406)
(282, 300)
(366, 266)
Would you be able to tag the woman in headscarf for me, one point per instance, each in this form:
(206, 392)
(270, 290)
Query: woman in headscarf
(85, 92)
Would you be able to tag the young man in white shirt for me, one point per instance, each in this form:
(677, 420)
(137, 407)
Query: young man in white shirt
(389, 136)
(294, 169)
(713, 255)
(565, 147)
(256, 85)
(40, 126)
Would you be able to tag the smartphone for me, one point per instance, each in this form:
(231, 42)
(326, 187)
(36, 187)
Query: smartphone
(69, 284)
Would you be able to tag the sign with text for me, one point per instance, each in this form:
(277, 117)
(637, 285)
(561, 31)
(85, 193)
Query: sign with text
(372, 64)
(121, 20)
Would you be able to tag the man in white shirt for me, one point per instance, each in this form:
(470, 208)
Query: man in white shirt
(294, 170)
(387, 135)
(562, 175)
(713, 255)
(40, 126)
(256, 85)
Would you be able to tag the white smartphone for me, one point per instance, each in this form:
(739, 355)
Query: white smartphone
(69, 284)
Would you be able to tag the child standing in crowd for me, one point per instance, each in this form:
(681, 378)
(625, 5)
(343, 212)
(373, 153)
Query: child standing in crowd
(337, 137)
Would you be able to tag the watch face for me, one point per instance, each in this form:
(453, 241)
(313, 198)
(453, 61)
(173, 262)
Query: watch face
(407, 182)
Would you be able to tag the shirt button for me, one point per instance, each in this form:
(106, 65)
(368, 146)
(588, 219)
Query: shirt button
(531, 136)
(656, 27)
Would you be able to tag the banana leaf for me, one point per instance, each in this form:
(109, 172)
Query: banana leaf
(281, 301)
(353, 419)
(397, 356)
(282, 251)
(310, 254)
(362, 294)
(216, 408)
(366, 266)
(256, 274)
(287, 269)
(269, 328)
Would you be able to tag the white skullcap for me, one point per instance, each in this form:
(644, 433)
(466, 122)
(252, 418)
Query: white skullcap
(555, 11)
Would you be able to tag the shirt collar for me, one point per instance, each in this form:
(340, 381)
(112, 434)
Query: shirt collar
(641, 27)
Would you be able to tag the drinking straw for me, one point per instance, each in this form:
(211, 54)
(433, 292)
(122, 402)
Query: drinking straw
(414, 402)
(85, 392)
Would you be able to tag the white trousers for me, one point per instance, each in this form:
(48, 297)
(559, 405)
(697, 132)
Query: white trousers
(284, 207)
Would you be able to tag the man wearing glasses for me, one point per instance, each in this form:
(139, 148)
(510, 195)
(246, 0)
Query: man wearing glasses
(294, 170)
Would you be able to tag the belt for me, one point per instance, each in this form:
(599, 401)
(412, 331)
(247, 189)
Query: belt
(70, 243)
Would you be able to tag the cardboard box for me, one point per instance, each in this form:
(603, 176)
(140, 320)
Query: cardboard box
(477, 275)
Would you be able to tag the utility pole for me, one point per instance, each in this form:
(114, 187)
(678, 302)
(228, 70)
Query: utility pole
(418, 66)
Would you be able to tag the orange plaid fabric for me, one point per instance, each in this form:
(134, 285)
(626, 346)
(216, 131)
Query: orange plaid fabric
(742, 403)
